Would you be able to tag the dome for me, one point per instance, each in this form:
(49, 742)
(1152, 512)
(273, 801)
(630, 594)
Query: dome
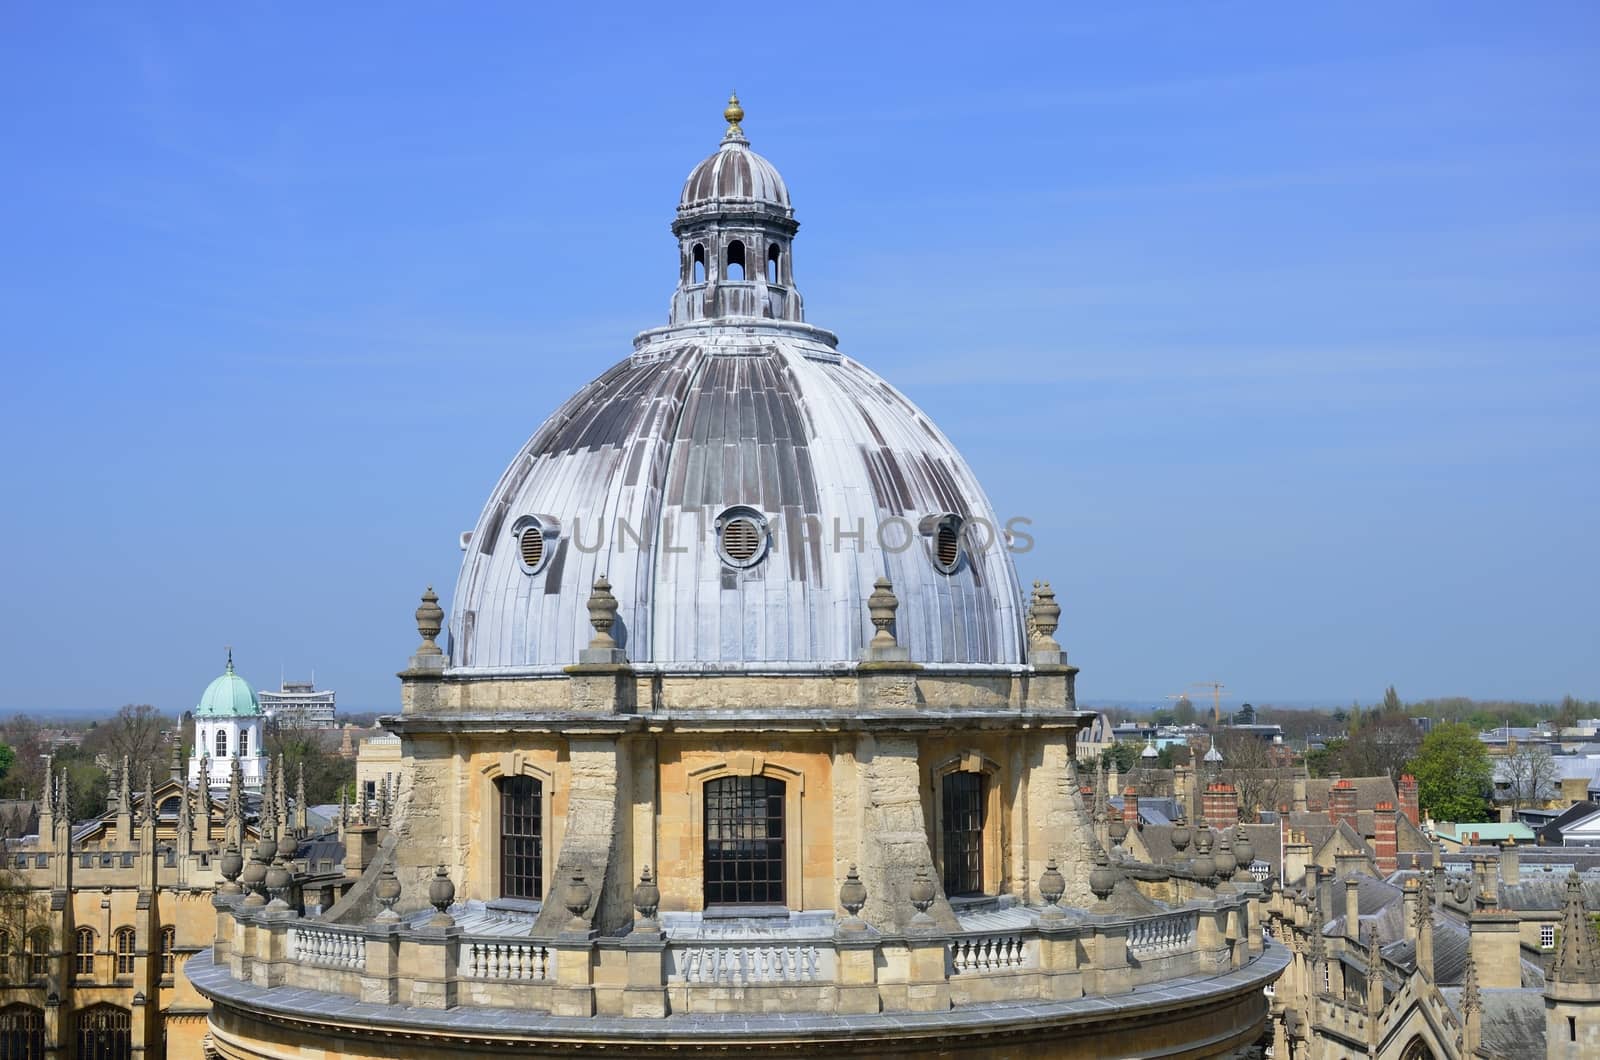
(734, 174)
(740, 483)
(229, 696)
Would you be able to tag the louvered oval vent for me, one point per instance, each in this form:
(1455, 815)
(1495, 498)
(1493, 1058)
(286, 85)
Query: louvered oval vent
(741, 540)
(532, 543)
(947, 546)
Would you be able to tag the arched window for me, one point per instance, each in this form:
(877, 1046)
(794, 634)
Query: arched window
(84, 964)
(222, 743)
(962, 824)
(124, 949)
(244, 743)
(169, 956)
(5, 943)
(734, 270)
(698, 266)
(744, 852)
(521, 837)
(772, 263)
(39, 954)
(21, 1033)
(105, 1032)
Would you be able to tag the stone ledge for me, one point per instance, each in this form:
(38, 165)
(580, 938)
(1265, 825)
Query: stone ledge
(322, 1010)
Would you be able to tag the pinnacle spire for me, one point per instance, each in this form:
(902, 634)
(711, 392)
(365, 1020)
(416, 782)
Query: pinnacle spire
(1578, 959)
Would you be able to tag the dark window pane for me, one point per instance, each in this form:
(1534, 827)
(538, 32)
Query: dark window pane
(744, 850)
(963, 833)
(521, 838)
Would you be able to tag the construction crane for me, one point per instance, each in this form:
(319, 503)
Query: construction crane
(1216, 698)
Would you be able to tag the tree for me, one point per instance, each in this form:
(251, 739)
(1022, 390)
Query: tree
(1123, 753)
(1531, 776)
(1380, 747)
(1246, 715)
(8, 758)
(1391, 700)
(325, 772)
(1247, 765)
(1183, 711)
(1453, 773)
(1325, 760)
(137, 732)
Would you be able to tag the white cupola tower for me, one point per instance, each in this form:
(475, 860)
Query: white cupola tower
(228, 728)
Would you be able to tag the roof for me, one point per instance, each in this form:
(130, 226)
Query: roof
(1369, 792)
(229, 696)
(1578, 811)
(716, 417)
(1511, 1023)
(1486, 831)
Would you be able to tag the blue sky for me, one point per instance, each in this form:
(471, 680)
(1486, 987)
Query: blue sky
(1281, 324)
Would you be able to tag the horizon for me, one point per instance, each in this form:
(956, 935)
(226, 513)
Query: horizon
(1279, 326)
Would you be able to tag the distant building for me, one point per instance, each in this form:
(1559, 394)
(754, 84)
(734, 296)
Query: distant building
(298, 705)
(227, 729)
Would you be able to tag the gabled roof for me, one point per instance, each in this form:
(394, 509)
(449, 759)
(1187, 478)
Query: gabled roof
(1369, 792)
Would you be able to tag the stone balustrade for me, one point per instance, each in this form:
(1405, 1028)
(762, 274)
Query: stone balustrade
(647, 974)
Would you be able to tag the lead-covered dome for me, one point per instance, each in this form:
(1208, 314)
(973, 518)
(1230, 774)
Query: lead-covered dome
(740, 483)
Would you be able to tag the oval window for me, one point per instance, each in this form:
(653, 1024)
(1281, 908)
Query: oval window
(741, 537)
(532, 548)
(947, 544)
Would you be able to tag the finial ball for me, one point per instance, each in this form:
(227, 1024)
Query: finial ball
(733, 112)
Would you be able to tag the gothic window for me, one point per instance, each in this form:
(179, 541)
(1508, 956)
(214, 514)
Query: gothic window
(521, 837)
(105, 1033)
(84, 961)
(222, 743)
(735, 266)
(124, 948)
(39, 954)
(699, 264)
(21, 1033)
(744, 851)
(962, 824)
(169, 959)
(772, 263)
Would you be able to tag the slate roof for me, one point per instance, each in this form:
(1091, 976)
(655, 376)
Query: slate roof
(1512, 1023)
(1369, 792)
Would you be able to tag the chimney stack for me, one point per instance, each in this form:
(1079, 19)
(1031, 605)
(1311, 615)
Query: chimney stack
(1510, 863)
(1352, 910)
(1220, 804)
(1408, 798)
(1130, 806)
(1496, 949)
(1342, 803)
(1384, 843)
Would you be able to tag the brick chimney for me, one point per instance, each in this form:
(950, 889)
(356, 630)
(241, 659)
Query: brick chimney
(1342, 803)
(1408, 798)
(1384, 844)
(1220, 804)
(1130, 807)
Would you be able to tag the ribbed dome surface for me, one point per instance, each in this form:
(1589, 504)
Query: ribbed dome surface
(700, 420)
(229, 696)
(734, 174)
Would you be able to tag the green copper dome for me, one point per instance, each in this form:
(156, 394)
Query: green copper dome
(229, 696)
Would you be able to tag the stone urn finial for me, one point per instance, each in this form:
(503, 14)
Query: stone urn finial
(1118, 830)
(852, 898)
(232, 865)
(278, 881)
(1102, 878)
(1051, 887)
(1244, 854)
(646, 899)
(254, 879)
(922, 893)
(388, 894)
(576, 897)
(430, 620)
(881, 606)
(602, 615)
(1044, 617)
(441, 892)
(1180, 834)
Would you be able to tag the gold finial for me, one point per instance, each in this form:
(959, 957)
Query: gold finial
(735, 114)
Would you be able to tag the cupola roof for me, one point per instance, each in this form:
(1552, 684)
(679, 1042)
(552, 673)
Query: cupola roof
(229, 696)
(734, 174)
